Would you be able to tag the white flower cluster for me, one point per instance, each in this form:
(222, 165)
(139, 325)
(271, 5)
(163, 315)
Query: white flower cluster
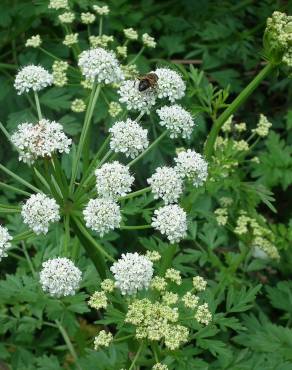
(71, 39)
(102, 215)
(193, 166)
(263, 126)
(101, 10)
(78, 106)
(39, 211)
(60, 277)
(33, 78)
(171, 220)
(58, 4)
(67, 17)
(5, 244)
(113, 180)
(177, 120)
(166, 184)
(132, 273)
(87, 18)
(33, 41)
(100, 65)
(40, 140)
(103, 339)
(131, 34)
(148, 40)
(170, 84)
(129, 138)
(135, 100)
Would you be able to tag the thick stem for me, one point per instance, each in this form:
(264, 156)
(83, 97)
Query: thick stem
(136, 193)
(136, 227)
(167, 258)
(38, 106)
(68, 342)
(155, 142)
(19, 179)
(237, 102)
(136, 356)
(137, 56)
(89, 112)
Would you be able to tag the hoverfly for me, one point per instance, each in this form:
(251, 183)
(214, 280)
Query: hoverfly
(147, 81)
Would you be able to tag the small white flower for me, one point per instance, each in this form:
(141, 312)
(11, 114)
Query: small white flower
(170, 220)
(59, 277)
(5, 244)
(166, 184)
(263, 126)
(132, 273)
(67, 17)
(170, 84)
(193, 166)
(129, 138)
(33, 41)
(131, 34)
(78, 105)
(114, 109)
(40, 140)
(177, 120)
(148, 40)
(100, 65)
(39, 211)
(103, 339)
(71, 39)
(102, 215)
(135, 100)
(58, 4)
(33, 78)
(87, 18)
(113, 180)
(203, 314)
(101, 10)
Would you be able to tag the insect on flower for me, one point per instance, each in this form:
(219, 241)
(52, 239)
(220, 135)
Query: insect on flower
(147, 81)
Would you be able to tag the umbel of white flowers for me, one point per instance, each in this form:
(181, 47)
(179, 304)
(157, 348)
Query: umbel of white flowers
(60, 277)
(5, 244)
(32, 78)
(132, 273)
(39, 211)
(40, 140)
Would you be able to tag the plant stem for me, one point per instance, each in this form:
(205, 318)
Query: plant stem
(19, 179)
(136, 193)
(5, 132)
(22, 236)
(167, 258)
(68, 342)
(136, 356)
(137, 56)
(37, 103)
(67, 234)
(100, 25)
(28, 259)
(93, 98)
(237, 102)
(155, 142)
(135, 227)
(13, 188)
(121, 339)
(91, 239)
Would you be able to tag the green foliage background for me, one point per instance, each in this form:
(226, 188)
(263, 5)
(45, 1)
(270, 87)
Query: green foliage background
(253, 300)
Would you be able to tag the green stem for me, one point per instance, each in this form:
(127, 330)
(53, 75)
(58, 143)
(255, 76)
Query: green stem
(13, 188)
(136, 227)
(37, 103)
(167, 258)
(100, 26)
(68, 343)
(90, 108)
(28, 259)
(67, 235)
(155, 142)
(19, 179)
(91, 239)
(136, 356)
(136, 193)
(121, 339)
(22, 236)
(137, 56)
(237, 102)
(5, 132)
